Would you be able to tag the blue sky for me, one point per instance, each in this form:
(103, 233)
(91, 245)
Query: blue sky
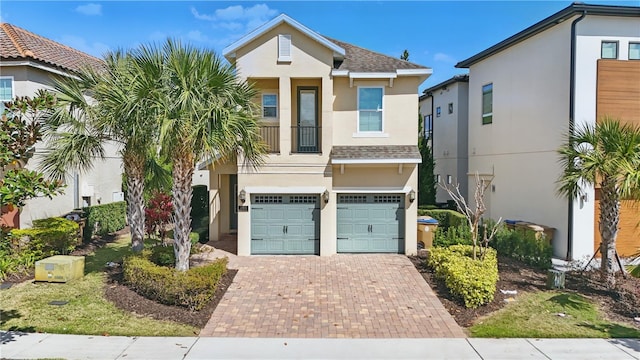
(437, 34)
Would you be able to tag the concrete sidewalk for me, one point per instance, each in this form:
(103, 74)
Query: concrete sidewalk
(35, 346)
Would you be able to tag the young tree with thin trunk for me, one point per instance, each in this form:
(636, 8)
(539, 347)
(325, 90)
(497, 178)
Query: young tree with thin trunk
(605, 156)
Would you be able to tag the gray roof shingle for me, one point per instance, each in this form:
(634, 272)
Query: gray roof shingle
(376, 152)
(358, 59)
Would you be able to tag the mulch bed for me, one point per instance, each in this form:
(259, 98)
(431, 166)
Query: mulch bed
(621, 305)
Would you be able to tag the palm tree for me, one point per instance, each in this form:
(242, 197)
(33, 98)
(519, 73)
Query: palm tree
(205, 110)
(78, 130)
(607, 156)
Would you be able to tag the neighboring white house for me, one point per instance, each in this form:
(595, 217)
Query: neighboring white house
(28, 63)
(445, 112)
(573, 67)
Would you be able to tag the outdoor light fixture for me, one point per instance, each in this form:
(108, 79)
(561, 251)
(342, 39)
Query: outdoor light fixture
(243, 195)
(325, 196)
(412, 195)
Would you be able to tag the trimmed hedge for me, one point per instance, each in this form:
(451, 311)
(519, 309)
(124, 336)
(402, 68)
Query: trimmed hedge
(446, 218)
(108, 217)
(524, 246)
(473, 281)
(453, 235)
(192, 289)
(49, 236)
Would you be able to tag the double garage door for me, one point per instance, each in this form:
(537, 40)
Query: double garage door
(289, 224)
(285, 224)
(370, 223)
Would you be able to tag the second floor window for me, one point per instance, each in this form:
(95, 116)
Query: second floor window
(269, 105)
(634, 51)
(6, 91)
(370, 109)
(487, 104)
(609, 50)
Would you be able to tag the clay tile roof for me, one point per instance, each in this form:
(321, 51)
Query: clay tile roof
(376, 152)
(19, 44)
(358, 59)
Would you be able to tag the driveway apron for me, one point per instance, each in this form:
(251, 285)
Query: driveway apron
(340, 296)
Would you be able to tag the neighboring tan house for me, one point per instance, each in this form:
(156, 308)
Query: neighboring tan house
(340, 122)
(574, 67)
(29, 62)
(445, 112)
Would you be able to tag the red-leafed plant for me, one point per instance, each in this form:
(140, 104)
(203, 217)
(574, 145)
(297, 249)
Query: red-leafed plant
(158, 214)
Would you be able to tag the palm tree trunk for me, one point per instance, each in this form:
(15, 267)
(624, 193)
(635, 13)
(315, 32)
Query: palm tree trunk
(182, 193)
(609, 218)
(133, 168)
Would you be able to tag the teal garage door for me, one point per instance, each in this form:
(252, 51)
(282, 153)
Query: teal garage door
(370, 223)
(285, 224)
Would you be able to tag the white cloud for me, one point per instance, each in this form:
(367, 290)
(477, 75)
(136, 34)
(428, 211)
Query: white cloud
(442, 57)
(96, 49)
(196, 35)
(237, 17)
(90, 9)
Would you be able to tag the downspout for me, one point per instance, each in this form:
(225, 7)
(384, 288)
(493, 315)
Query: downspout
(431, 123)
(572, 100)
(76, 191)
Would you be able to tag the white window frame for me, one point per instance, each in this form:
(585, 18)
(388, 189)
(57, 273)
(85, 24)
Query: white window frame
(484, 115)
(276, 106)
(281, 39)
(13, 87)
(381, 109)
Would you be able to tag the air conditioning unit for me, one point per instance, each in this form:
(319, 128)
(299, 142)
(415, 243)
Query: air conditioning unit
(60, 268)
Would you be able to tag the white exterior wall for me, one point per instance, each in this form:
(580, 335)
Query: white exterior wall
(530, 114)
(99, 184)
(591, 31)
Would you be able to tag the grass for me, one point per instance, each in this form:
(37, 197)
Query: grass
(25, 306)
(534, 315)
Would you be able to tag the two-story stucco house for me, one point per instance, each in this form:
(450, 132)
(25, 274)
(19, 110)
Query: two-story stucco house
(341, 123)
(444, 110)
(29, 62)
(573, 67)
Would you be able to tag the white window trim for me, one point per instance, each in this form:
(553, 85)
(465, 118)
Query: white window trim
(284, 58)
(13, 87)
(270, 118)
(370, 133)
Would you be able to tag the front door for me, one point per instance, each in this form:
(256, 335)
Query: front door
(307, 119)
(233, 197)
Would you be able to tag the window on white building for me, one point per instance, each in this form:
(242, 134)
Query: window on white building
(6, 91)
(634, 51)
(370, 109)
(269, 105)
(487, 104)
(438, 111)
(609, 50)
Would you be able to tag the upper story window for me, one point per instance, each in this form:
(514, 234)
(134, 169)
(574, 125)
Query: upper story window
(284, 47)
(269, 105)
(438, 111)
(609, 50)
(6, 91)
(450, 108)
(370, 109)
(634, 51)
(487, 104)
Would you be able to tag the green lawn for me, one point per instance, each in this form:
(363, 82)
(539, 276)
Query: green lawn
(534, 315)
(25, 306)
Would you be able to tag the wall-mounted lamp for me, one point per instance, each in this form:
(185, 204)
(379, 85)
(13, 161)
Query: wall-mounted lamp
(325, 196)
(584, 198)
(242, 196)
(412, 195)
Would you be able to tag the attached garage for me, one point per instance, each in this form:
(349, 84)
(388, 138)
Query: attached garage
(285, 224)
(371, 223)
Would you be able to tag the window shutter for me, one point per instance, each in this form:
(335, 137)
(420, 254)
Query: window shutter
(284, 47)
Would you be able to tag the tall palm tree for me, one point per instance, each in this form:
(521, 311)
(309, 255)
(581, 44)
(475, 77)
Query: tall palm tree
(205, 110)
(119, 114)
(606, 156)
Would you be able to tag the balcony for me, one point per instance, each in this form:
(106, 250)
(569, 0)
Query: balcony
(271, 137)
(306, 139)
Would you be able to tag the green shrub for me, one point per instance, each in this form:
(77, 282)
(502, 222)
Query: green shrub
(162, 255)
(105, 219)
(453, 235)
(473, 281)
(192, 289)
(49, 236)
(524, 246)
(446, 218)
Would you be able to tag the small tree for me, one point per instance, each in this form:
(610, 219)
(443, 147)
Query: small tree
(158, 214)
(474, 214)
(405, 55)
(426, 180)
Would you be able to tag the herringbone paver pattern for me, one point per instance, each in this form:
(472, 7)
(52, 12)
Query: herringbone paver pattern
(340, 296)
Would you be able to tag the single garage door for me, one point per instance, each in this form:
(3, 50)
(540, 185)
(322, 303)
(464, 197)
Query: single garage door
(370, 223)
(285, 224)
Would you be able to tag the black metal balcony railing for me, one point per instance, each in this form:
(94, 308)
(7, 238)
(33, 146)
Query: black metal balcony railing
(271, 137)
(306, 139)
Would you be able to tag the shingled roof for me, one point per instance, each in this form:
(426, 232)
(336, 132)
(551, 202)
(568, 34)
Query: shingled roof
(19, 44)
(358, 59)
(375, 154)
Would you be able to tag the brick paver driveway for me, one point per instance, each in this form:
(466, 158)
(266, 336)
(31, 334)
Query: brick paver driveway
(340, 296)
